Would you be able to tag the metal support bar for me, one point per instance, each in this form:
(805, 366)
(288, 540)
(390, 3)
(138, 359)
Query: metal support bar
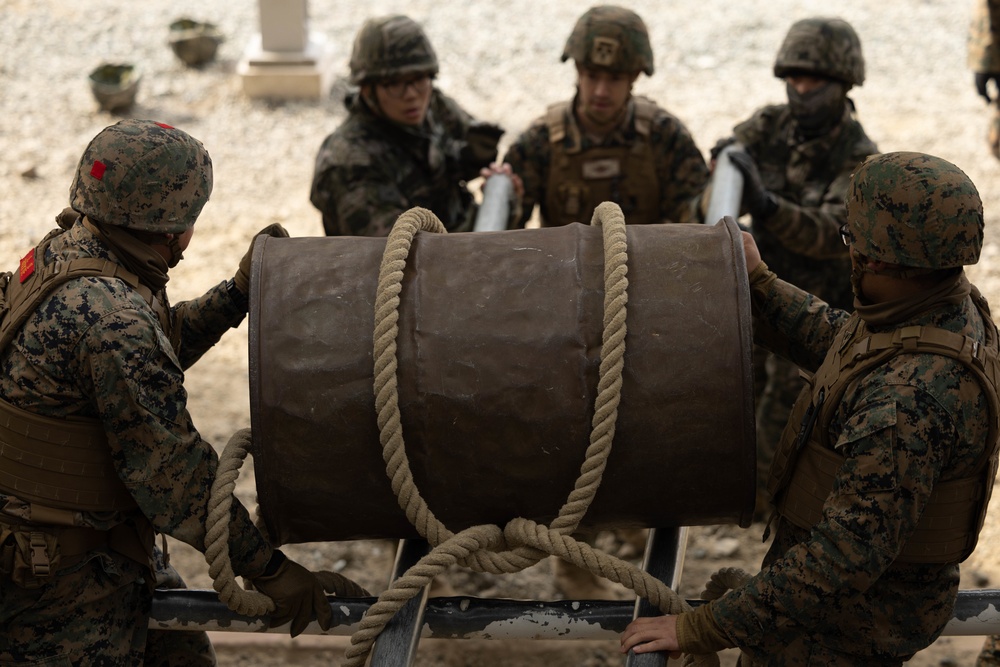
(977, 612)
(664, 559)
(397, 645)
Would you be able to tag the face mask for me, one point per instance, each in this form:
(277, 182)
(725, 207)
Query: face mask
(818, 110)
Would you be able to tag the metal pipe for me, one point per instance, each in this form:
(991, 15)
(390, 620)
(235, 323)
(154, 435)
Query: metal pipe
(397, 645)
(727, 187)
(664, 559)
(494, 212)
(977, 612)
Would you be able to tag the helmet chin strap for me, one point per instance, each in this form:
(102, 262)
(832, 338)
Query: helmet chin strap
(176, 253)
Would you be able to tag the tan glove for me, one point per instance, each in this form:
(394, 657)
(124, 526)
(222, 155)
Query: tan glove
(242, 277)
(298, 596)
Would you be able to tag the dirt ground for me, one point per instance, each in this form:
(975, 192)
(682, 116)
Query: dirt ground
(501, 61)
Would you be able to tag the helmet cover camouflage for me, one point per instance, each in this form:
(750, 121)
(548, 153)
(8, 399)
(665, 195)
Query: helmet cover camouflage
(143, 175)
(915, 210)
(823, 46)
(391, 46)
(610, 38)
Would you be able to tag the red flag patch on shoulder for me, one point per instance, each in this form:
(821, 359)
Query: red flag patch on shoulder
(27, 265)
(97, 171)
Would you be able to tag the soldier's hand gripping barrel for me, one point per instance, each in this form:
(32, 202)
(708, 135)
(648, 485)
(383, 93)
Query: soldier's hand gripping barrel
(499, 350)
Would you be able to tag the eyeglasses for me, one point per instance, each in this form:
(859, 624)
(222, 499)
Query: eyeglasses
(845, 234)
(396, 88)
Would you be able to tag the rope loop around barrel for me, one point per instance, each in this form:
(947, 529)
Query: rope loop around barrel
(386, 328)
(220, 567)
(522, 542)
(220, 502)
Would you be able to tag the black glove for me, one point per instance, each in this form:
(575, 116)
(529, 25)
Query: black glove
(719, 146)
(982, 80)
(242, 277)
(297, 594)
(480, 148)
(760, 201)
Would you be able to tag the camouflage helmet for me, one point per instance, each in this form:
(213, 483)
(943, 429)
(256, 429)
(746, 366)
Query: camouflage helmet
(390, 46)
(824, 46)
(915, 210)
(610, 38)
(143, 175)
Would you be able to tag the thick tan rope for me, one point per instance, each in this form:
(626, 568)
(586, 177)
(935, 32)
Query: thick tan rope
(610, 217)
(723, 581)
(525, 542)
(220, 567)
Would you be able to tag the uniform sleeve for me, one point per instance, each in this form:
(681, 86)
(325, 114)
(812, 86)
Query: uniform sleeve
(478, 140)
(896, 441)
(791, 322)
(529, 158)
(356, 193)
(203, 321)
(137, 387)
(681, 169)
(984, 37)
(813, 230)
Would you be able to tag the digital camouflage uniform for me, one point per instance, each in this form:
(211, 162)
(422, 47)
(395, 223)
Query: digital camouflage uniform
(678, 168)
(808, 178)
(990, 653)
(847, 589)
(984, 59)
(800, 241)
(648, 164)
(371, 169)
(96, 349)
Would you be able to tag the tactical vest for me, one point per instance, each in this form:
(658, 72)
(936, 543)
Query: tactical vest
(805, 464)
(62, 463)
(579, 180)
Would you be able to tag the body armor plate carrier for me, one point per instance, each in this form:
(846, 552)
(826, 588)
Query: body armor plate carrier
(805, 465)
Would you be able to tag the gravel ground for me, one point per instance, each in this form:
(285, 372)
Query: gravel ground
(500, 60)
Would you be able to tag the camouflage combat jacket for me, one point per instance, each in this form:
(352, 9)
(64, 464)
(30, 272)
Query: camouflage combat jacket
(984, 37)
(801, 241)
(835, 594)
(95, 349)
(371, 170)
(679, 170)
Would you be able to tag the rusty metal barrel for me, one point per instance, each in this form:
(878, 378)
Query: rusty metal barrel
(499, 350)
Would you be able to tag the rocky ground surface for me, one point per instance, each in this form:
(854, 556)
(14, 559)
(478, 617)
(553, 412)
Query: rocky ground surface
(501, 61)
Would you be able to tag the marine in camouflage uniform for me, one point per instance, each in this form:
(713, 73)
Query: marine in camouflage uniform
(373, 167)
(984, 61)
(797, 163)
(900, 421)
(96, 368)
(644, 159)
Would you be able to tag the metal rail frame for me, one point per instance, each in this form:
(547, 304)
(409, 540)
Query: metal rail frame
(977, 612)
